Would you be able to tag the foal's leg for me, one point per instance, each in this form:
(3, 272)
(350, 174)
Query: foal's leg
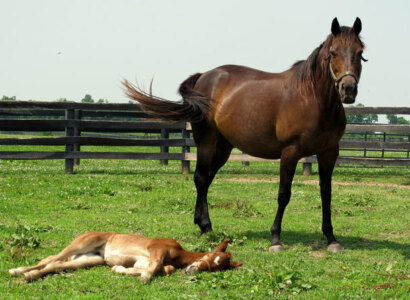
(212, 153)
(327, 162)
(166, 270)
(58, 266)
(288, 162)
(85, 243)
(22, 270)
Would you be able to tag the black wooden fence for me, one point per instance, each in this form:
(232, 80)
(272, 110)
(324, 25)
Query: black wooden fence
(91, 124)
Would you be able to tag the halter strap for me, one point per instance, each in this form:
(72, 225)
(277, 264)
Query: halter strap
(341, 76)
(207, 262)
(338, 79)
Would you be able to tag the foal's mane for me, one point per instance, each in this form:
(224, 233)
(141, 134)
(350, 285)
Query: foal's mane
(315, 68)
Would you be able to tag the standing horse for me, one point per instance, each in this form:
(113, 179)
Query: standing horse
(288, 115)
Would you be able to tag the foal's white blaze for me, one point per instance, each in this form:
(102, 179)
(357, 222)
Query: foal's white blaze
(216, 260)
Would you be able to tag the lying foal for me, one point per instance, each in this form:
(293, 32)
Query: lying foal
(129, 254)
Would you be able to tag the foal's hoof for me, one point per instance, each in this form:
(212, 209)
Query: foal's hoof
(276, 248)
(15, 272)
(32, 275)
(334, 247)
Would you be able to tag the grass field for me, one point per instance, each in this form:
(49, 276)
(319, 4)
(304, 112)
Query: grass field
(42, 210)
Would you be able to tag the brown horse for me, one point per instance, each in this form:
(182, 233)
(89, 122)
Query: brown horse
(288, 115)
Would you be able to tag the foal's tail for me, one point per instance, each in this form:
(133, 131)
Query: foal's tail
(194, 106)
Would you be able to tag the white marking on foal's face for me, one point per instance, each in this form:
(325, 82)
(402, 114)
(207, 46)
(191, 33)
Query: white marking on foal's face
(216, 260)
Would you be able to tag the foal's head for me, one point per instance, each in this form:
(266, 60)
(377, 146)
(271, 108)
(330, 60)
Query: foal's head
(345, 56)
(214, 261)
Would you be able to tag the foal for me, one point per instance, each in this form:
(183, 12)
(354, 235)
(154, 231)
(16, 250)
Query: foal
(129, 254)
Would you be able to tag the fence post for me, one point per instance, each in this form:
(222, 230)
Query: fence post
(185, 149)
(307, 169)
(77, 132)
(245, 163)
(164, 149)
(408, 149)
(69, 131)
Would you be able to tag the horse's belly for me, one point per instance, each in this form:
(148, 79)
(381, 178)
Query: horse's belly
(256, 143)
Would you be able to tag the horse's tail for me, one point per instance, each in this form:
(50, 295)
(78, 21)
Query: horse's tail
(194, 106)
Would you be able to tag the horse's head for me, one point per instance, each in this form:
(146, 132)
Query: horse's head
(214, 261)
(345, 56)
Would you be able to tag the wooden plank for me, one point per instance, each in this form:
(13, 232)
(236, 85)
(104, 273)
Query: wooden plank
(313, 159)
(377, 110)
(115, 114)
(376, 128)
(34, 155)
(135, 107)
(92, 126)
(93, 141)
(374, 145)
(69, 105)
(351, 128)
(403, 162)
(31, 112)
(85, 113)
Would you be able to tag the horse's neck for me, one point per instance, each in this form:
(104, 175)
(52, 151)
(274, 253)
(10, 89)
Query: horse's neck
(326, 92)
(186, 257)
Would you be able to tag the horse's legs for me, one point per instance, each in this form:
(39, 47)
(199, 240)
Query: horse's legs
(212, 153)
(288, 162)
(327, 162)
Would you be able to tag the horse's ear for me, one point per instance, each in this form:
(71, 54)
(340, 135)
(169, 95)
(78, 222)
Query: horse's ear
(335, 27)
(222, 246)
(357, 26)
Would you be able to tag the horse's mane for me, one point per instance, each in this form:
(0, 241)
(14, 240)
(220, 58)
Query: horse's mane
(308, 72)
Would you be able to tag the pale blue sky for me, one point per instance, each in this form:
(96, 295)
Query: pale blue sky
(52, 49)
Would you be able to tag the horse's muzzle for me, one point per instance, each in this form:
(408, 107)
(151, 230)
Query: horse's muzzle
(348, 91)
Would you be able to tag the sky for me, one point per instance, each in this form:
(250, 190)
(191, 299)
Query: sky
(54, 49)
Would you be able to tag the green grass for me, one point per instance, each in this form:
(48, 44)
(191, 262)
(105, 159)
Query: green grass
(42, 210)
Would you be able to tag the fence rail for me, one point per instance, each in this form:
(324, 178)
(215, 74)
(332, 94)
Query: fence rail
(79, 120)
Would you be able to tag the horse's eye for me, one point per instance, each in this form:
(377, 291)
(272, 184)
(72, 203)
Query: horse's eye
(333, 54)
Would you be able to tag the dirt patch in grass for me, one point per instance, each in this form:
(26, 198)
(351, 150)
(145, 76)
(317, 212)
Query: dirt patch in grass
(317, 254)
(316, 182)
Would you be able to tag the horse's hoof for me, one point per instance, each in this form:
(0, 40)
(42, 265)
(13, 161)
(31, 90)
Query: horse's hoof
(334, 247)
(276, 248)
(205, 230)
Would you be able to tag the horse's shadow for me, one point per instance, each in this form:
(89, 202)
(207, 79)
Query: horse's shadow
(317, 241)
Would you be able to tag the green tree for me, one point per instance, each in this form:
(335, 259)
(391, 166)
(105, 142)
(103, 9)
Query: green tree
(361, 119)
(87, 99)
(394, 119)
(102, 101)
(8, 98)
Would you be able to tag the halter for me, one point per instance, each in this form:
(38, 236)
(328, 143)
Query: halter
(207, 262)
(340, 77)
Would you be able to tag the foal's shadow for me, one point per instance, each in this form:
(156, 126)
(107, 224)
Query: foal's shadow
(291, 238)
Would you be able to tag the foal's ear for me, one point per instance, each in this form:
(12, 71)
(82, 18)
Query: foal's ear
(222, 246)
(357, 26)
(335, 27)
